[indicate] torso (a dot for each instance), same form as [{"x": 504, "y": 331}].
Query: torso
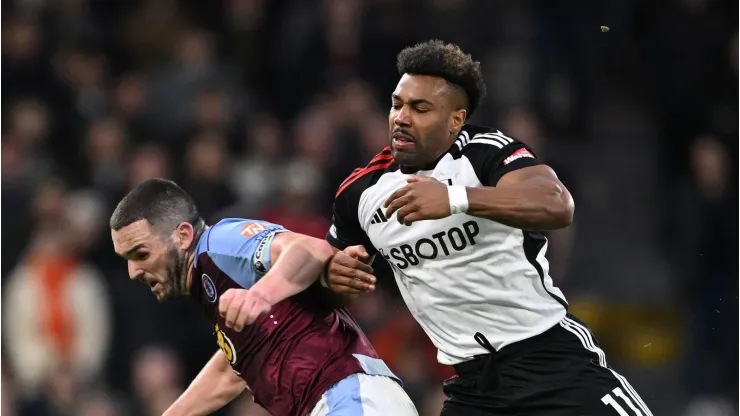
[
  {"x": 289, "y": 357},
  {"x": 461, "y": 274}
]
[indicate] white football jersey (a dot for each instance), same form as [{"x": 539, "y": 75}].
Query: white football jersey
[{"x": 461, "y": 274}]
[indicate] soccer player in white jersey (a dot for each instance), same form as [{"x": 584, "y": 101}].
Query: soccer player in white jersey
[{"x": 457, "y": 211}]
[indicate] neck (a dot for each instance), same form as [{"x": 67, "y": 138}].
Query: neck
[
  {"x": 190, "y": 262},
  {"x": 430, "y": 164},
  {"x": 189, "y": 273}
]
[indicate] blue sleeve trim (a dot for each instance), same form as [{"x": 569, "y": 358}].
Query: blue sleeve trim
[{"x": 241, "y": 248}]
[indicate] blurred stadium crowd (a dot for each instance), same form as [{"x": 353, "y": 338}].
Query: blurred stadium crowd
[{"x": 261, "y": 108}]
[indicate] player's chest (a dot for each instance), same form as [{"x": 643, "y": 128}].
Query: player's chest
[
  {"x": 411, "y": 245},
  {"x": 209, "y": 285}
]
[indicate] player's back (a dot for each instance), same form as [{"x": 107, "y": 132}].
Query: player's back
[{"x": 290, "y": 356}]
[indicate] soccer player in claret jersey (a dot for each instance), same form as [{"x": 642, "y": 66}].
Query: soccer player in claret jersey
[
  {"x": 457, "y": 210},
  {"x": 254, "y": 280}
]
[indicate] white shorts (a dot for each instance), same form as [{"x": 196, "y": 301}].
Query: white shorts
[{"x": 365, "y": 395}]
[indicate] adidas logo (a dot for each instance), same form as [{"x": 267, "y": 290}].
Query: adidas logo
[{"x": 379, "y": 217}]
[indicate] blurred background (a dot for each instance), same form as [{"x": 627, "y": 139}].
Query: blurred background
[{"x": 261, "y": 108}]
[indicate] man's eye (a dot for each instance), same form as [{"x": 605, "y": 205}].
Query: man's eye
[
  {"x": 421, "y": 110},
  {"x": 397, "y": 106}
]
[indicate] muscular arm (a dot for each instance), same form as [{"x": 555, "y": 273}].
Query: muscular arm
[
  {"x": 298, "y": 261},
  {"x": 532, "y": 198},
  {"x": 214, "y": 387}
]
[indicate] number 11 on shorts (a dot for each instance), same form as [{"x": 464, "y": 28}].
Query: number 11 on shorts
[{"x": 611, "y": 401}]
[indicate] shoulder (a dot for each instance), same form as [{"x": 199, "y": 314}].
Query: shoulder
[
  {"x": 483, "y": 144},
  {"x": 476, "y": 140},
  {"x": 492, "y": 153},
  {"x": 240, "y": 248},
  {"x": 360, "y": 179},
  {"x": 235, "y": 237},
  {"x": 228, "y": 235}
]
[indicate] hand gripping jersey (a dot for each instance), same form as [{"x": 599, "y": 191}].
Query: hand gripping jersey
[
  {"x": 292, "y": 355},
  {"x": 461, "y": 274}
]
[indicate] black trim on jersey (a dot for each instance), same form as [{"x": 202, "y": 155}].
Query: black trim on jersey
[
  {"x": 502, "y": 169},
  {"x": 378, "y": 162},
  {"x": 345, "y": 221},
  {"x": 488, "y": 158},
  {"x": 533, "y": 243}
]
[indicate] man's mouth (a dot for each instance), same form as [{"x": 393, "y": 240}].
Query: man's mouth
[
  {"x": 403, "y": 141},
  {"x": 150, "y": 283},
  {"x": 403, "y": 137}
]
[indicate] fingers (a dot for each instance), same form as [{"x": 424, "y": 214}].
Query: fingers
[
  {"x": 397, "y": 204},
  {"x": 344, "y": 284},
  {"x": 225, "y": 301},
  {"x": 419, "y": 178},
  {"x": 348, "y": 275},
  {"x": 395, "y": 195},
  {"x": 362, "y": 280},
  {"x": 235, "y": 309},
  {"x": 357, "y": 252},
  {"x": 412, "y": 218},
  {"x": 240, "y": 307},
  {"x": 251, "y": 310},
  {"x": 259, "y": 309},
  {"x": 406, "y": 214},
  {"x": 357, "y": 278},
  {"x": 348, "y": 267},
  {"x": 348, "y": 262}
]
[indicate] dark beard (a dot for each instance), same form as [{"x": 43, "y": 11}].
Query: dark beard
[{"x": 176, "y": 271}]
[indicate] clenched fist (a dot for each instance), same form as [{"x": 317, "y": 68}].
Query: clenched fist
[{"x": 241, "y": 307}]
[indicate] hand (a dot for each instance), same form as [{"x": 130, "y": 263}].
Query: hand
[
  {"x": 241, "y": 307},
  {"x": 424, "y": 198},
  {"x": 349, "y": 272}
]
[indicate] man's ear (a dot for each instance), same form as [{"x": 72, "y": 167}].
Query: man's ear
[
  {"x": 457, "y": 120},
  {"x": 184, "y": 234}
]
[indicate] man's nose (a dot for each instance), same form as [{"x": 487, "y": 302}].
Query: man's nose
[
  {"x": 402, "y": 118},
  {"x": 132, "y": 274}
]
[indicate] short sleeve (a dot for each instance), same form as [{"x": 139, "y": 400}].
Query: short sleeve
[
  {"x": 345, "y": 229},
  {"x": 493, "y": 155},
  {"x": 241, "y": 248}
]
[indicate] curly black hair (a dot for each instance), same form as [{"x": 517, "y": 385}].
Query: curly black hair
[{"x": 447, "y": 61}]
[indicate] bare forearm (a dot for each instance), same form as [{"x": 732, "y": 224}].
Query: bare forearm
[
  {"x": 214, "y": 387},
  {"x": 531, "y": 206},
  {"x": 297, "y": 268}
]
